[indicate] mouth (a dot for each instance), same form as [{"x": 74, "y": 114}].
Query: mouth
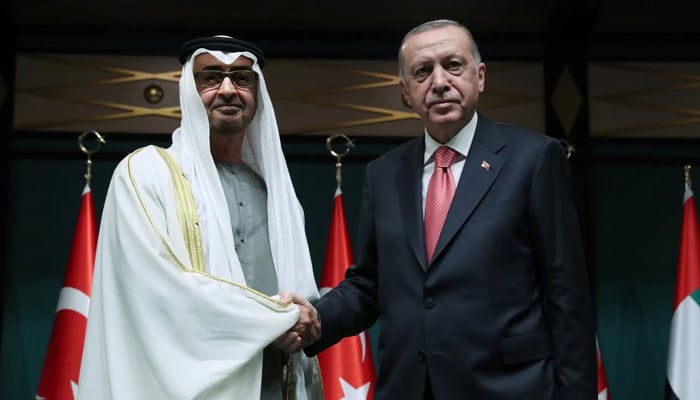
[
  {"x": 228, "y": 108},
  {"x": 441, "y": 103}
]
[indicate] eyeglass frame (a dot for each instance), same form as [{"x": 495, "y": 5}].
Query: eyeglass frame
[{"x": 226, "y": 74}]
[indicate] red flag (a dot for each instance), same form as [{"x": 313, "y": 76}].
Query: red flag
[
  {"x": 683, "y": 367},
  {"x": 347, "y": 367},
  {"x": 59, "y": 378},
  {"x": 602, "y": 382}
]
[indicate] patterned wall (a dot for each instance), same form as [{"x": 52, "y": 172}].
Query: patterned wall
[
  {"x": 311, "y": 97},
  {"x": 645, "y": 100}
]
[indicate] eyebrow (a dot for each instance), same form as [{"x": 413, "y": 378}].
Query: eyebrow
[{"x": 221, "y": 68}]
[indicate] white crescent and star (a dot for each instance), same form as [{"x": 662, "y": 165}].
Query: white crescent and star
[
  {"x": 73, "y": 299},
  {"x": 351, "y": 392}
]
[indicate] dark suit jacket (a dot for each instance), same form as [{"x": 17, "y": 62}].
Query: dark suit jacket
[{"x": 504, "y": 311}]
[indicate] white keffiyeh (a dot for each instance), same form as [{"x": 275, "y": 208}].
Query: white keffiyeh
[{"x": 262, "y": 152}]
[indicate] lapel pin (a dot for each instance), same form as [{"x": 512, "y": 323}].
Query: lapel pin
[{"x": 485, "y": 165}]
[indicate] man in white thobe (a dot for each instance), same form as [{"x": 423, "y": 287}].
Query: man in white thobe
[{"x": 195, "y": 242}]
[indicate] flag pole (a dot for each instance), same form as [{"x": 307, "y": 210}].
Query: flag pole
[
  {"x": 95, "y": 145},
  {"x": 683, "y": 352},
  {"x": 338, "y": 156},
  {"x": 61, "y": 370},
  {"x": 347, "y": 367}
]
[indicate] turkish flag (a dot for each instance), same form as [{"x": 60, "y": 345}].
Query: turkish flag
[
  {"x": 59, "y": 378},
  {"x": 347, "y": 368}
]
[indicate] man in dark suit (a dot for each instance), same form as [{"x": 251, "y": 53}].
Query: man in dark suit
[{"x": 498, "y": 305}]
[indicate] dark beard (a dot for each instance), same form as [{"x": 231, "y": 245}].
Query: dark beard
[{"x": 228, "y": 124}]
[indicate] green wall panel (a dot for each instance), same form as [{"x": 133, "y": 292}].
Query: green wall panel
[{"x": 635, "y": 198}]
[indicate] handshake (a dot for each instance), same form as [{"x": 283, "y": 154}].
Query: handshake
[{"x": 305, "y": 331}]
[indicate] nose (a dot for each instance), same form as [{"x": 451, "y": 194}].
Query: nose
[
  {"x": 441, "y": 80},
  {"x": 227, "y": 86}
]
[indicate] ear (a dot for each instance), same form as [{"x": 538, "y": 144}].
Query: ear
[
  {"x": 405, "y": 98},
  {"x": 481, "y": 71}
]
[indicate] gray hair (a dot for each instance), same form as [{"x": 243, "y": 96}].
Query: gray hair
[{"x": 435, "y": 24}]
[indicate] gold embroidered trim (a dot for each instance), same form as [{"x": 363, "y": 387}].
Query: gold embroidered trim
[
  {"x": 147, "y": 213},
  {"x": 186, "y": 211},
  {"x": 252, "y": 292}
]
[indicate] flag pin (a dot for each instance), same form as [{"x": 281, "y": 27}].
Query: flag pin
[{"x": 485, "y": 165}]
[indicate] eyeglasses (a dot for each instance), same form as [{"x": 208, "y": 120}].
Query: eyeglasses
[{"x": 241, "y": 78}]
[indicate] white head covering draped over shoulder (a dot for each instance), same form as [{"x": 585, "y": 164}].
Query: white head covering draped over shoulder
[{"x": 159, "y": 329}]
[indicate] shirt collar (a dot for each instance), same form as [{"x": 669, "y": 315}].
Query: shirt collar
[{"x": 461, "y": 142}]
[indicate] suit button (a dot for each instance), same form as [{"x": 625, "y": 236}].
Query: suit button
[
  {"x": 421, "y": 356},
  {"x": 429, "y": 303}
]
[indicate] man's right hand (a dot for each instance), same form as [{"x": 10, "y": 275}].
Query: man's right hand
[{"x": 306, "y": 330}]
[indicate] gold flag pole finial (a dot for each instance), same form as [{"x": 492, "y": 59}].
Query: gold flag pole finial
[
  {"x": 95, "y": 145},
  {"x": 686, "y": 176},
  {"x": 338, "y": 156}
]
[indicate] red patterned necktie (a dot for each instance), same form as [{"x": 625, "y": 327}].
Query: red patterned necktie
[{"x": 441, "y": 189}]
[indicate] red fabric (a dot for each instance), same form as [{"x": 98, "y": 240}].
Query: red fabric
[
  {"x": 602, "y": 382},
  {"x": 441, "y": 190},
  {"x": 59, "y": 377},
  {"x": 688, "y": 279},
  {"x": 347, "y": 368}
]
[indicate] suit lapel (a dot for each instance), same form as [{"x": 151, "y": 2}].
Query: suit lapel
[
  {"x": 409, "y": 176},
  {"x": 481, "y": 168}
]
